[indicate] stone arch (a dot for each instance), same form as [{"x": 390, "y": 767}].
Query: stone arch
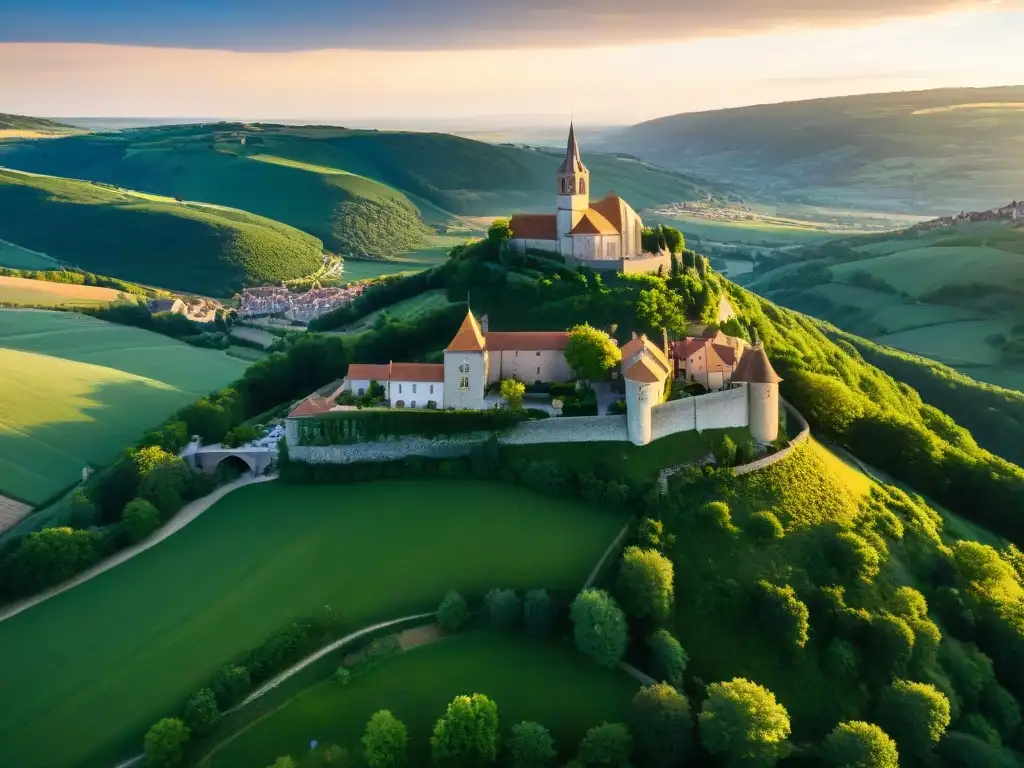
[{"x": 238, "y": 461}]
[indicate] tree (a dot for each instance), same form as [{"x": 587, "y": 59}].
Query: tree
[
  {"x": 591, "y": 353},
  {"x": 385, "y": 741},
  {"x": 853, "y": 558},
  {"x": 725, "y": 452},
  {"x": 285, "y": 761},
  {"x": 513, "y": 393},
  {"x": 500, "y": 232},
  {"x": 674, "y": 239},
  {"x": 916, "y": 714},
  {"x": 669, "y": 657},
  {"x": 202, "y": 713},
  {"x": 83, "y": 511},
  {"x": 165, "y": 742},
  {"x": 608, "y": 744},
  {"x": 51, "y": 556},
  {"x": 467, "y": 734},
  {"x": 231, "y": 684},
  {"x": 765, "y": 526},
  {"x": 660, "y": 308},
  {"x": 453, "y": 612},
  {"x": 645, "y": 583},
  {"x": 140, "y": 518},
  {"x": 650, "y": 533},
  {"x": 599, "y": 626},
  {"x": 539, "y": 613},
  {"x": 857, "y": 744},
  {"x": 783, "y": 612},
  {"x": 163, "y": 478},
  {"x": 504, "y": 609},
  {"x": 661, "y": 725},
  {"x": 741, "y": 723},
  {"x": 530, "y": 745}
]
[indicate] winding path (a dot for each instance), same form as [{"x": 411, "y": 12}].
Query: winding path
[{"x": 188, "y": 513}]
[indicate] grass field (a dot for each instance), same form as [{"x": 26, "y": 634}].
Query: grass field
[
  {"x": 408, "y": 310},
  {"x": 955, "y": 344},
  {"x": 18, "y": 290},
  {"x": 16, "y": 257},
  {"x": 639, "y": 463},
  {"x": 547, "y": 682},
  {"x": 151, "y": 631},
  {"x": 77, "y": 391},
  {"x": 436, "y": 252}
]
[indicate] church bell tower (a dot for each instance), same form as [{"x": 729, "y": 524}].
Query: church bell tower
[{"x": 573, "y": 192}]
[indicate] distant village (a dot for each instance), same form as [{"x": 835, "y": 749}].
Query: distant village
[
  {"x": 1012, "y": 212},
  {"x": 298, "y": 307}
]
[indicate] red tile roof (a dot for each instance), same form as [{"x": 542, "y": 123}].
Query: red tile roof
[
  {"x": 645, "y": 370},
  {"x": 468, "y": 338},
  {"x": 417, "y": 372},
  {"x": 611, "y": 208},
  {"x": 367, "y": 372},
  {"x": 311, "y": 406},
  {"x": 755, "y": 368},
  {"x": 593, "y": 223},
  {"x": 534, "y": 226},
  {"x": 526, "y": 340}
]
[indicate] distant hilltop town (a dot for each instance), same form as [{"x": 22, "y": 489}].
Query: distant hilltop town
[
  {"x": 1012, "y": 212},
  {"x": 300, "y": 307}
]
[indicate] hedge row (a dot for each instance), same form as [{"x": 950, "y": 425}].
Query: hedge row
[{"x": 347, "y": 427}]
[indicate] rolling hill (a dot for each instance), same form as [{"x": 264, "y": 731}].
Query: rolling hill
[
  {"x": 364, "y": 193},
  {"x": 926, "y": 152},
  {"x": 149, "y": 239},
  {"x": 21, "y": 127},
  {"x": 953, "y": 294}
]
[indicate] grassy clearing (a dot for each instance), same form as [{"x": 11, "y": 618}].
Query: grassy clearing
[
  {"x": 955, "y": 344},
  {"x": 76, "y": 391},
  {"x": 155, "y": 633},
  {"x": 639, "y": 463},
  {"x": 18, "y": 290},
  {"x": 408, "y": 310},
  {"x": 436, "y": 252},
  {"x": 245, "y": 353},
  {"x": 16, "y": 257},
  {"x": 546, "y": 682}
]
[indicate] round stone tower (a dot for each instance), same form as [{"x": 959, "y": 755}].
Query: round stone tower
[
  {"x": 755, "y": 370},
  {"x": 645, "y": 369}
]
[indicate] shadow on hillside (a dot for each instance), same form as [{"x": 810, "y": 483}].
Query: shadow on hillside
[{"x": 40, "y": 462}]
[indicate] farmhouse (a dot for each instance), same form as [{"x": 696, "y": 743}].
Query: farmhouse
[
  {"x": 605, "y": 234},
  {"x": 711, "y": 361}
]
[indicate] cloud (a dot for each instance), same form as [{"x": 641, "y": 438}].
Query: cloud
[{"x": 438, "y": 24}]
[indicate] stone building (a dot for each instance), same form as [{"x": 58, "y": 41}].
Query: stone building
[
  {"x": 645, "y": 369},
  {"x": 755, "y": 370}
]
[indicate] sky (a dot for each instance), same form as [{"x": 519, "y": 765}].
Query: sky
[{"x": 514, "y": 61}]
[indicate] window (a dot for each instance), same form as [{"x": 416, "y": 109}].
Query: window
[
  {"x": 464, "y": 382},
  {"x": 464, "y": 367},
  {"x": 413, "y": 404},
  {"x": 583, "y": 186},
  {"x": 414, "y": 389},
  {"x": 431, "y": 389},
  {"x": 399, "y": 389},
  {"x": 362, "y": 391},
  {"x": 538, "y": 371},
  {"x": 538, "y": 354}
]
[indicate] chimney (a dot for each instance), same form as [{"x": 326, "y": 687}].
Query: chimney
[
  {"x": 634, "y": 334},
  {"x": 484, "y": 323}
]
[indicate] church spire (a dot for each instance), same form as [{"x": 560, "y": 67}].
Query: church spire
[{"x": 573, "y": 176}]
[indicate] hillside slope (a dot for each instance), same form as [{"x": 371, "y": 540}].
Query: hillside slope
[
  {"x": 955, "y": 294},
  {"x": 22, "y": 127},
  {"x": 361, "y": 192},
  {"x": 928, "y": 151},
  {"x": 148, "y": 239}
]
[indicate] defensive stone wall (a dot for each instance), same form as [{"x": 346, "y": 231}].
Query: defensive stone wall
[
  {"x": 802, "y": 436},
  {"x": 715, "y": 410},
  {"x": 388, "y": 450},
  {"x": 579, "y": 429}
]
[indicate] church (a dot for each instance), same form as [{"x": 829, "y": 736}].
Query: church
[{"x": 605, "y": 234}]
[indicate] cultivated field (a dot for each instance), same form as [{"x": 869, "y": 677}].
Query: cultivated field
[
  {"x": 77, "y": 391},
  {"x": 545, "y": 682},
  {"x": 151, "y": 631},
  {"x": 18, "y": 290}
]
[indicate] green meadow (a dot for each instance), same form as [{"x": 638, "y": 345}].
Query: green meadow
[
  {"x": 545, "y": 682},
  {"x": 77, "y": 391},
  {"x": 16, "y": 257},
  {"x": 159, "y": 626}
]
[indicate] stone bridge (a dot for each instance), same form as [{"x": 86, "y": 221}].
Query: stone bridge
[{"x": 206, "y": 458}]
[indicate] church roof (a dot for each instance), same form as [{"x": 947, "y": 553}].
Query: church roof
[
  {"x": 468, "y": 338},
  {"x": 573, "y": 163},
  {"x": 417, "y": 372},
  {"x": 645, "y": 371},
  {"x": 641, "y": 345},
  {"x": 369, "y": 372},
  {"x": 534, "y": 226},
  {"x": 610, "y": 207},
  {"x": 593, "y": 223},
  {"x": 755, "y": 368},
  {"x": 527, "y": 341}
]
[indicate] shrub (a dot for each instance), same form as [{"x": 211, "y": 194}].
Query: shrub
[
  {"x": 467, "y": 733},
  {"x": 649, "y": 533},
  {"x": 783, "y": 613},
  {"x": 741, "y": 722},
  {"x": 916, "y": 714},
  {"x": 668, "y": 656},
  {"x": 725, "y": 452},
  {"x": 504, "y": 609},
  {"x": 385, "y": 741},
  {"x": 661, "y": 725},
  {"x": 645, "y": 583},
  {"x": 853, "y": 558},
  {"x": 608, "y": 744},
  {"x": 530, "y": 745},
  {"x": 715, "y": 515},
  {"x": 337, "y": 757},
  {"x": 231, "y": 685},
  {"x": 539, "y": 613},
  {"x": 860, "y": 745},
  {"x": 453, "y": 612},
  {"x": 285, "y": 761},
  {"x": 140, "y": 518},
  {"x": 341, "y": 676},
  {"x": 599, "y": 627},
  {"x": 513, "y": 392},
  {"x": 165, "y": 742},
  {"x": 764, "y": 526},
  {"x": 82, "y": 512},
  {"x": 202, "y": 713}
]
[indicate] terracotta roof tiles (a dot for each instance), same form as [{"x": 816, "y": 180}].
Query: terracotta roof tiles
[
  {"x": 468, "y": 338},
  {"x": 527, "y": 340},
  {"x": 593, "y": 223},
  {"x": 756, "y": 368},
  {"x": 534, "y": 226}
]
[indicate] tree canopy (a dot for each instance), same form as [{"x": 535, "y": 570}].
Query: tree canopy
[
  {"x": 591, "y": 353},
  {"x": 599, "y": 627},
  {"x": 661, "y": 725},
  {"x": 466, "y": 735},
  {"x": 645, "y": 583},
  {"x": 385, "y": 740},
  {"x": 857, "y": 744},
  {"x": 742, "y": 723}
]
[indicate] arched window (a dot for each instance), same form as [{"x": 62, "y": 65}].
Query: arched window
[
  {"x": 464, "y": 367},
  {"x": 583, "y": 186}
]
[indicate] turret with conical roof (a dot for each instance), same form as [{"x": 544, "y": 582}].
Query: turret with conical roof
[
  {"x": 466, "y": 367},
  {"x": 755, "y": 370}
]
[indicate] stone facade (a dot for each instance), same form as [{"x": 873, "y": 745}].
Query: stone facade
[
  {"x": 582, "y": 429},
  {"x": 716, "y": 410}
]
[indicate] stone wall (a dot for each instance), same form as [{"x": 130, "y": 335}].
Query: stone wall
[
  {"x": 579, "y": 429},
  {"x": 802, "y": 436},
  {"x": 715, "y": 410},
  {"x": 388, "y": 450}
]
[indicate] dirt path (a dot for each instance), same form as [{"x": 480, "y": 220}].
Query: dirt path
[
  {"x": 607, "y": 553},
  {"x": 188, "y": 513}
]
